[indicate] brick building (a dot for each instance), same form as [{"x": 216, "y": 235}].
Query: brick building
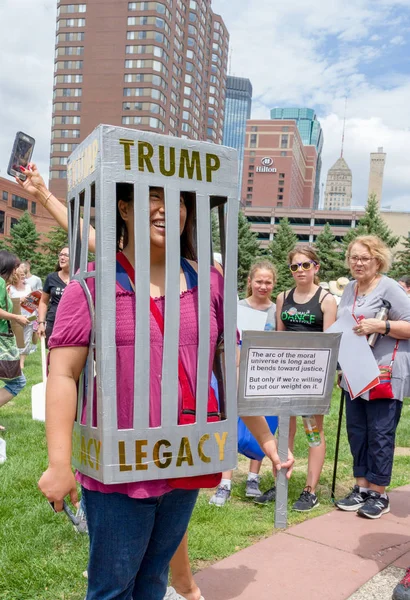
[
  {"x": 307, "y": 223},
  {"x": 278, "y": 170},
  {"x": 158, "y": 66},
  {"x": 13, "y": 202}
]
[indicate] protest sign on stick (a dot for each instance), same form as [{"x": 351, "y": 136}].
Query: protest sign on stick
[{"x": 286, "y": 374}]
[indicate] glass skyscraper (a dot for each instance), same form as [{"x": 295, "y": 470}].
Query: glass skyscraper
[
  {"x": 311, "y": 133},
  {"x": 238, "y": 102}
]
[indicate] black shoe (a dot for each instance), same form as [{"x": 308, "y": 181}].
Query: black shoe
[
  {"x": 268, "y": 496},
  {"x": 402, "y": 589},
  {"x": 307, "y": 501},
  {"x": 375, "y": 506},
  {"x": 353, "y": 501}
]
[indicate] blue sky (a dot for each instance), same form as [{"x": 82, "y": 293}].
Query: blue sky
[
  {"x": 299, "y": 53},
  {"x": 314, "y": 54}
]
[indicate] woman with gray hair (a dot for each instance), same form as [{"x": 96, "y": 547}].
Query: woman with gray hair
[{"x": 372, "y": 419}]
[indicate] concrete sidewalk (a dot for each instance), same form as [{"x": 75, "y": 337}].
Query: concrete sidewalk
[{"x": 331, "y": 557}]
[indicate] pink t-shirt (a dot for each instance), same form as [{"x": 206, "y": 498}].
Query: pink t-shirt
[{"x": 73, "y": 328}]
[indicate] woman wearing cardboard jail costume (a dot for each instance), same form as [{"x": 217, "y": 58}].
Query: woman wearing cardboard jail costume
[
  {"x": 139, "y": 513},
  {"x": 184, "y": 586},
  {"x": 182, "y": 580}
]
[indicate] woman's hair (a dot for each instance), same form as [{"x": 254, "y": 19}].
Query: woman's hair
[
  {"x": 308, "y": 251},
  {"x": 8, "y": 262},
  {"x": 376, "y": 248},
  {"x": 58, "y": 268},
  {"x": 125, "y": 192},
  {"x": 262, "y": 264},
  {"x": 15, "y": 277}
]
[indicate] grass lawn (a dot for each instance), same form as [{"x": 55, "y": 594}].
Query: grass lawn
[{"x": 41, "y": 556}]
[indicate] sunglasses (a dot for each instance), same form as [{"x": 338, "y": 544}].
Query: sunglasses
[{"x": 305, "y": 266}]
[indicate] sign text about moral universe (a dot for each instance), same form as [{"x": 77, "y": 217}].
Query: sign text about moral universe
[{"x": 286, "y": 372}]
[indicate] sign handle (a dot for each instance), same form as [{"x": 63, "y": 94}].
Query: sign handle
[
  {"x": 43, "y": 358},
  {"x": 339, "y": 429},
  {"x": 281, "y": 504}
]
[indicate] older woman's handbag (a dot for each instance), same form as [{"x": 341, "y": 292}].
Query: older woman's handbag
[
  {"x": 384, "y": 390},
  {"x": 9, "y": 354}
]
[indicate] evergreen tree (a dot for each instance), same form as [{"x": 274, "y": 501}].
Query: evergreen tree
[
  {"x": 375, "y": 225},
  {"x": 216, "y": 244},
  {"x": 330, "y": 256},
  {"x": 401, "y": 264},
  {"x": 23, "y": 239},
  {"x": 283, "y": 242},
  {"x": 372, "y": 224},
  {"x": 248, "y": 251}
]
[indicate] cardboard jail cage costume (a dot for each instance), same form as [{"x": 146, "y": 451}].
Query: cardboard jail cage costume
[{"x": 112, "y": 155}]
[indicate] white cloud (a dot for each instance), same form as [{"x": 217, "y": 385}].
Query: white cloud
[
  {"x": 301, "y": 53},
  {"x": 314, "y": 54},
  {"x": 398, "y": 40},
  {"x": 27, "y": 32}
]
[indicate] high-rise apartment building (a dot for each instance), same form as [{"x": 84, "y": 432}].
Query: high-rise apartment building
[
  {"x": 159, "y": 66},
  {"x": 311, "y": 133},
  {"x": 377, "y": 162},
  {"x": 278, "y": 169},
  {"x": 338, "y": 192},
  {"x": 238, "y": 104}
]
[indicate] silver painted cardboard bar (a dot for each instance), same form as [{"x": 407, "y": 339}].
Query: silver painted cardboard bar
[{"x": 115, "y": 154}]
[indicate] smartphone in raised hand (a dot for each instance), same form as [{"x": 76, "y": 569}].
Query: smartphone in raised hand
[{"x": 21, "y": 154}]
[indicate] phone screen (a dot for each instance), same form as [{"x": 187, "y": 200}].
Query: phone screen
[{"x": 22, "y": 153}]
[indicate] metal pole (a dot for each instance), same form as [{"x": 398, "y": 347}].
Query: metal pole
[
  {"x": 339, "y": 428},
  {"x": 281, "y": 504}
]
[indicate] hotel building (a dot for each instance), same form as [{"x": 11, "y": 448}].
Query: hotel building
[{"x": 278, "y": 170}]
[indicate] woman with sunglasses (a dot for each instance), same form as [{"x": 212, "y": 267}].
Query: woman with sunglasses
[
  {"x": 306, "y": 307},
  {"x": 53, "y": 289}
]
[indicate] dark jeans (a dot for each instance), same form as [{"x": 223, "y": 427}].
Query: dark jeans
[
  {"x": 49, "y": 330},
  {"x": 371, "y": 429},
  {"x": 132, "y": 542}
]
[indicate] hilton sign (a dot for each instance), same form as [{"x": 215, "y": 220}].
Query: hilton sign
[{"x": 266, "y": 167}]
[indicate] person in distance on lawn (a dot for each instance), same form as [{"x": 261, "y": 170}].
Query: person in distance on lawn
[{"x": 8, "y": 266}]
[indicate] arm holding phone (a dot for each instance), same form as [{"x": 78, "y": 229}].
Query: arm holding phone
[{"x": 34, "y": 184}]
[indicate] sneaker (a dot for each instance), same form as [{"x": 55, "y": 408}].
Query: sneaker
[
  {"x": 402, "y": 589},
  {"x": 375, "y": 506},
  {"x": 267, "y": 497},
  {"x": 172, "y": 594},
  {"x": 221, "y": 496},
  {"x": 307, "y": 501},
  {"x": 353, "y": 501},
  {"x": 252, "y": 488}
]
